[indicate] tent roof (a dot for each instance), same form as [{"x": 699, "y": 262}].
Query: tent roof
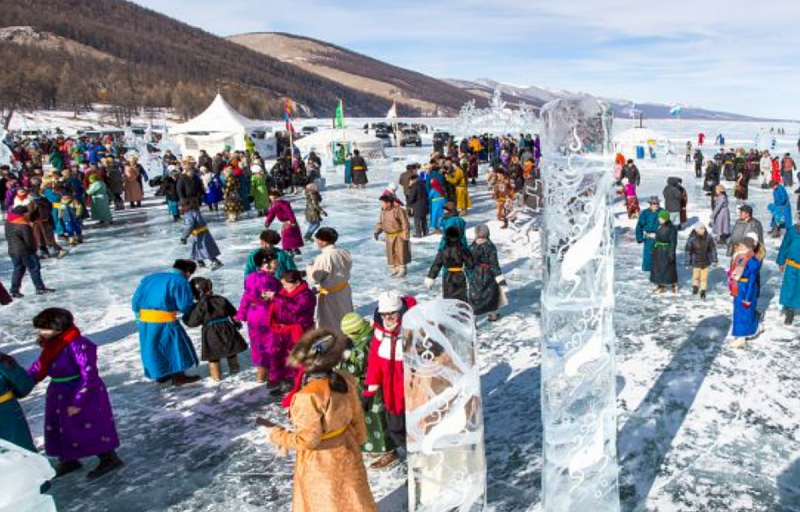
[
  {"x": 323, "y": 139},
  {"x": 218, "y": 117},
  {"x": 638, "y": 136}
]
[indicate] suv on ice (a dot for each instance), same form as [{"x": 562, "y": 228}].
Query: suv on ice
[{"x": 410, "y": 138}]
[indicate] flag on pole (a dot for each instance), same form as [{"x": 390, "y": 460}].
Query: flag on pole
[
  {"x": 287, "y": 116},
  {"x": 392, "y": 114},
  {"x": 675, "y": 111},
  {"x": 338, "y": 120}
]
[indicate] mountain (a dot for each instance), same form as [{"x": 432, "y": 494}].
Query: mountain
[
  {"x": 73, "y": 53},
  {"x": 538, "y": 96},
  {"x": 429, "y": 95}
]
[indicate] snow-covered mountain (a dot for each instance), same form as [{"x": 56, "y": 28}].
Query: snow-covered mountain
[{"x": 535, "y": 95}]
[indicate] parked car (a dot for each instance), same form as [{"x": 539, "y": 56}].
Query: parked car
[
  {"x": 308, "y": 130},
  {"x": 410, "y": 138},
  {"x": 384, "y": 134},
  {"x": 440, "y": 140}
]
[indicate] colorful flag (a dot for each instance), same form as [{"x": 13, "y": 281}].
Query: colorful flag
[
  {"x": 392, "y": 114},
  {"x": 338, "y": 120},
  {"x": 287, "y": 116}
]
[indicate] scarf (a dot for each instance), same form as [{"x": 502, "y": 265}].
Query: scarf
[
  {"x": 740, "y": 260},
  {"x": 52, "y": 348}
]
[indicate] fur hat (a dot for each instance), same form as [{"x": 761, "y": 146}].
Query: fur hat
[
  {"x": 201, "y": 287},
  {"x": 452, "y": 236},
  {"x": 327, "y": 235},
  {"x": 318, "y": 350},
  {"x": 185, "y": 266},
  {"x": 55, "y": 319},
  {"x": 389, "y": 302},
  {"x": 353, "y": 323}
]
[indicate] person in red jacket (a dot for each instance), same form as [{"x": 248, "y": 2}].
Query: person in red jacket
[
  {"x": 776, "y": 171},
  {"x": 385, "y": 363}
]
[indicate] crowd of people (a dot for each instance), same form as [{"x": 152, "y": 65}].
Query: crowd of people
[{"x": 339, "y": 375}]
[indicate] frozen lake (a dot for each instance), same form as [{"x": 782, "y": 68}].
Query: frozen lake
[{"x": 703, "y": 427}]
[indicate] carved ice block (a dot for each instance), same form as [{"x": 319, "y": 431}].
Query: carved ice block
[{"x": 444, "y": 415}]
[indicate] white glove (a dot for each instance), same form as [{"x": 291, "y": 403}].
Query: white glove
[
  {"x": 500, "y": 280},
  {"x": 429, "y": 283}
]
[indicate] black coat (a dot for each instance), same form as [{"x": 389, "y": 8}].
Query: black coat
[
  {"x": 484, "y": 292},
  {"x": 631, "y": 172},
  {"x": 453, "y": 256},
  {"x": 701, "y": 252},
  {"x": 664, "y": 270},
  {"x": 220, "y": 335},
  {"x": 187, "y": 188},
  {"x": 417, "y": 199},
  {"x": 20, "y": 239},
  {"x": 672, "y": 196}
]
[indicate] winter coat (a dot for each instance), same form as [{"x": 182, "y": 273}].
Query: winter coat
[
  {"x": 220, "y": 336},
  {"x": 291, "y": 237},
  {"x": 672, "y": 196},
  {"x": 789, "y": 255},
  {"x": 417, "y": 199},
  {"x": 203, "y": 245},
  {"x": 14, "y": 427},
  {"x": 231, "y": 194},
  {"x": 721, "y": 216},
  {"x": 665, "y": 271},
  {"x": 259, "y": 191},
  {"x": 745, "y": 317},
  {"x": 327, "y": 431},
  {"x": 631, "y": 172},
  {"x": 133, "y": 189},
  {"x": 19, "y": 236},
  {"x": 254, "y": 309},
  {"x": 213, "y": 186},
  {"x": 646, "y": 228},
  {"x": 285, "y": 262},
  {"x": 187, "y": 188},
  {"x": 101, "y": 211},
  {"x": 394, "y": 224},
  {"x": 701, "y": 251},
  {"x": 314, "y": 211},
  {"x": 330, "y": 271},
  {"x": 780, "y": 208},
  {"x": 457, "y": 262},
  {"x": 740, "y": 231},
  {"x": 458, "y": 180},
  {"x": 359, "y": 170},
  {"x": 484, "y": 292}
]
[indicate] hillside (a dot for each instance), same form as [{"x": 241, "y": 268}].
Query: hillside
[
  {"x": 539, "y": 96},
  {"x": 372, "y": 76},
  {"x": 157, "y": 61}
]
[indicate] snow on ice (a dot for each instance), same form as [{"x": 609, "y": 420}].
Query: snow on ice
[{"x": 702, "y": 426}]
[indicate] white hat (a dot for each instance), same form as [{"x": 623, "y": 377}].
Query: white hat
[
  {"x": 391, "y": 186},
  {"x": 389, "y": 302},
  {"x": 753, "y": 236}
]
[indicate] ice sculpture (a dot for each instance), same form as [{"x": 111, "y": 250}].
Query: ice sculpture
[
  {"x": 497, "y": 119},
  {"x": 444, "y": 413},
  {"x": 578, "y": 380},
  {"x": 23, "y": 473}
]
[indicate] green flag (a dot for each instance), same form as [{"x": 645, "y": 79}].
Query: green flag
[{"x": 338, "y": 121}]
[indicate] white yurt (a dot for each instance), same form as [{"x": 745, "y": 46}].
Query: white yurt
[
  {"x": 219, "y": 127},
  {"x": 325, "y": 144},
  {"x": 643, "y": 144}
]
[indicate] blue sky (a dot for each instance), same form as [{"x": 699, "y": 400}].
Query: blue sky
[{"x": 741, "y": 57}]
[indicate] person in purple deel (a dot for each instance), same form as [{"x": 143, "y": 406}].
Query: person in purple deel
[{"x": 78, "y": 419}]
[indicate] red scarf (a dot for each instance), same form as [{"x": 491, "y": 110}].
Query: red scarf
[
  {"x": 52, "y": 348},
  {"x": 435, "y": 185},
  {"x": 298, "y": 385}
]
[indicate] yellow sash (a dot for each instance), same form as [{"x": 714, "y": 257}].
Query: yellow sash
[
  {"x": 792, "y": 263},
  {"x": 154, "y": 316},
  {"x": 199, "y": 230},
  {"x": 5, "y": 397},
  {"x": 334, "y": 433},
  {"x": 333, "y": 289},
  {"x": 455, "y": 269}
]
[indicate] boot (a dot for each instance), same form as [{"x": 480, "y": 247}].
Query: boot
[
  {"x": 261, "y": 375},
  {"x": 61, "y": 253},
  {"x": 674, "y": 288},
  {"x": 789, "y": 317},
  {"x": 44, "y": 291},
  {"x": 65, "y": 467},
  {"x": 73, "y": 241},
  {"x": 216, "y": 264},
  {"x": 695, "y": 290},
  {"x": 179, "y": 379},
  {"x": 215, "y": 371},
  {"x": 176, "y": 218},
  {"x": 233, "y": 365},
  {"x": 109, "y": 461},
  {"x": 703, "y": 294}
]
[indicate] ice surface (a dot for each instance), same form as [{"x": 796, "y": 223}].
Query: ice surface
[
  {"x": 444, "y": 414},
  {"x": 23, "y": 474},
  {"x": 702, "y": 427}
]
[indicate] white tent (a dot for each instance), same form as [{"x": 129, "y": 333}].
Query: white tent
[
  {"x": 326, "y": 142},
  {"x": 218, "y": 128},
  {"x": 642, "y": 143}
]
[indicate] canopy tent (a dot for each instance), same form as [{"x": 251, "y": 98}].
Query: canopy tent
[
  {"x": 327, "y": 143},
  {"x": 642, "y": 143},
  {"x": 219, "y": 127}
]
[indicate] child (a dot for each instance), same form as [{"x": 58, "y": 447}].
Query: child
[
  {"x": 170, "y": 189},
  {"x": 213, "y": 187},
  {"x": 457, "y": 261},
  {"x": 291, "y": 315},
  {"x": 233, "y": 201},
  {"x": 79, "y": 421},
  {"x": 270, "y": 239},
  {"x": 314, "y": 212},
  {"x": 360, "y": 332},
  {"x": 15, "y": 383},
  {"x": 71, "y": 214},
  {"x": 203, "y": 246},
  {"x": 701, "y": 253},
  {"x": 631, "y": 201},
  {"x": 743, "y": 283},
  {"x": 290, "y": 232},
  {"x": 254, "y": 309},
  {"x": 220, "y": 335}
]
